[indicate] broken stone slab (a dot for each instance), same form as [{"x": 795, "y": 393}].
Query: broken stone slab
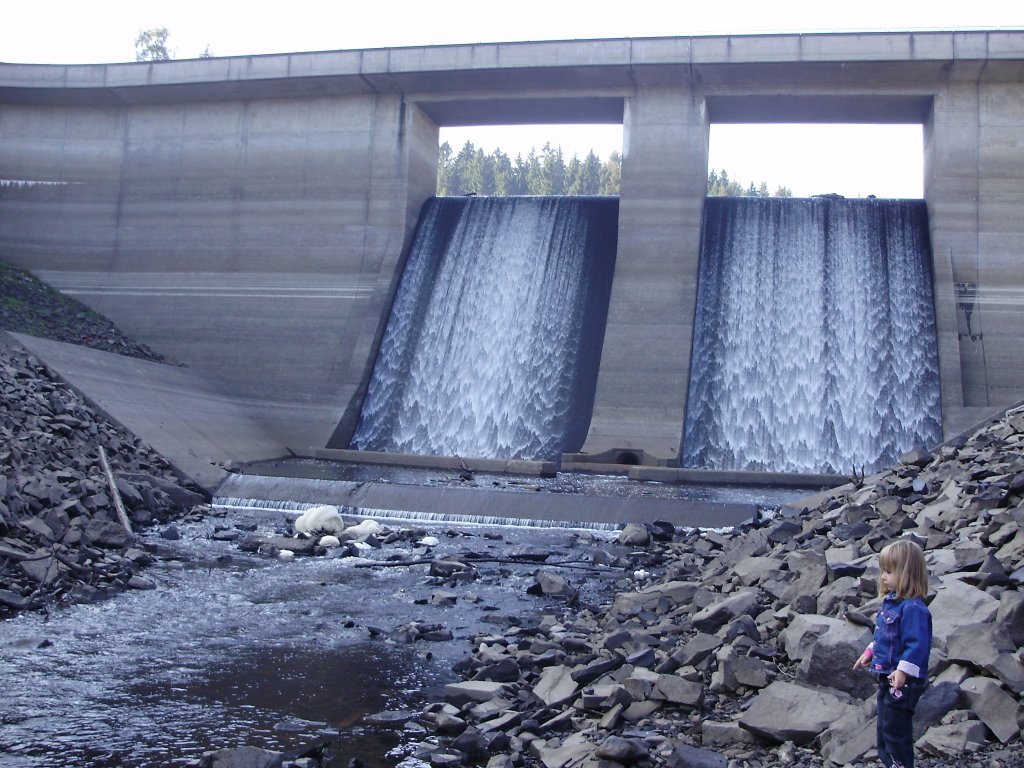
[
  {"x": 851, "y": 736},
  {"x": 987, "y": 647},
  {"x": 811, "y": 568},
  {"x": 697, "y": 648},
  {"x": 568, "y": 753},
  {"x": 686, "y": 756},
  {"x": 803, "y": 632},
  {"x": 677, "y": 690},
  {"x": 551, "y": 585},
  {"x": 957, "y": 604},
  {"x": 718, "y": 614},
  {"x": 997, "y": 709},
  {"x": 633, "y": 535},
  {"x": 42, "y": 568},
  {"x": 671, "y": 594},
  {"x": 752, "y": 570},
  {"x": 554, "y": 684},
  {"x": 827, "y": 659},
  {"x": 726, "y": 734},
  {"x": 108, "y": 534},
  {"x": 735, "y": 672},
  {"x": 1010, "y": 615},
  {"x": 789, "y": 712},
  {"x": 952, "y": 739},
  {"x": 473, "y": 691},
  {"x": 588, "y": 673}
]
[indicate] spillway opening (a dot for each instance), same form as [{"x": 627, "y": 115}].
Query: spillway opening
[
  {"x": 506, "y": 160},
  {"x": 851, "y": 160}
]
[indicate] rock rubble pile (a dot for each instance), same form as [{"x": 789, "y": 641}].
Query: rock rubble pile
[
  {"x": 61, "y": 537},
  {"x": 742, "y": 652}
]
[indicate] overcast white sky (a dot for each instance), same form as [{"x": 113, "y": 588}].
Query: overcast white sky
[{"x": 886, "y": 162}]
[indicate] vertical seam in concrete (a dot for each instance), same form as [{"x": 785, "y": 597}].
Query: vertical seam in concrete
[
  {"x": 977, "y": 217},
  {"x": 116, "y": 250}
]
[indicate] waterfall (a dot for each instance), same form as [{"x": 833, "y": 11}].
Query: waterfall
[
  {"x": 493, "y": 342},
  {"x": 814, "y": 336}
]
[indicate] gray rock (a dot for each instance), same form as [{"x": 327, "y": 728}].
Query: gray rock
[
  {"x": 242, "y": 757},
  {"x": 622, "y": 751},
  {"x": 851, "y": 736},
  {"x": 828, "y": 660},
  {"x": 552, "y": 585},
  {"x": 633, "y": 535},
  {"x": 789, "y": 712},
  {"x": 108, "y": 534},
  {"x": 685, "y": 756},
  {"x": 716, "y": 615},
  {"x": 938, "y": 699},
  {"x": 952, "y": 739},
  {"x": 993, "y": 706}
]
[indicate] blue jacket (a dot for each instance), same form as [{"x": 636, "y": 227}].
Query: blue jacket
[{"x": 903, "y": 637}]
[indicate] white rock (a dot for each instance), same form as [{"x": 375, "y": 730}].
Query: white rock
[
  {"x": 429, "y": 541},
  {"x": 329, "y": 541},
  {"x": 361, "y": 531},
  {"x": 323, "y": 518},
  {"x": 286, "y": 554}
]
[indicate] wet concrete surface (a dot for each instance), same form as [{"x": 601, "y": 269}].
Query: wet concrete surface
[{"x": 234, "y": 649}]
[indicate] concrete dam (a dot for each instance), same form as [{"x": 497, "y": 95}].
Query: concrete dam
[{"x": 251, "y": 217}]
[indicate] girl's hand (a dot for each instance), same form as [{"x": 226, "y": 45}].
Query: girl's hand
[
  {"x": 897, "y": 679},
  {"x": 863, "y": 661}
]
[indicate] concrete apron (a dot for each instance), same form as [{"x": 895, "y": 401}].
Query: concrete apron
[
  {"x": 482, "y": 505},
  {"x": 178, "y": 412}
]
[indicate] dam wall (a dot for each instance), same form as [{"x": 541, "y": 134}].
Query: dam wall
[{"x": 249, "y": 216}]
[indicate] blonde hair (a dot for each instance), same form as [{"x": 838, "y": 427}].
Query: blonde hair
[{"x": 905, "y": 561}]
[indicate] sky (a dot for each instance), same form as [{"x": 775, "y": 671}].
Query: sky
[{"x": 809, "y": 160}]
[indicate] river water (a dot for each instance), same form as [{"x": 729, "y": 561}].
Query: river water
[{"x": 236, "y": 649}]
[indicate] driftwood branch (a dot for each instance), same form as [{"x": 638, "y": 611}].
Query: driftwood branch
[
  {"x": 115, "y": 495},
  {"x": 472, "y": 560}
]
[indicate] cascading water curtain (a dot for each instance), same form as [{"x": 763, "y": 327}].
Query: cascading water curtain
[
  {"x": 494, "y": 339},
  {"x": 814, "y": 337}
]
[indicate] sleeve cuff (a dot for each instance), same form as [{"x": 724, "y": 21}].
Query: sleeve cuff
[{"x": 911, "y": 669}]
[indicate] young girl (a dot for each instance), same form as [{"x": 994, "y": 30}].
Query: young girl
[{"x": 898, "y": 655}]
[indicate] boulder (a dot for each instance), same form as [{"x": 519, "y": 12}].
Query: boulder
[
  {"x": 804, "y": 630},
  {"x": 938, "y": 699},
  {"x": 953, "y": 739},
  {"x": 994, "y": 707},
  {"x": 957, "y": 604},
  {"x": 829, "y": 660},
  {"x": 666, "y": 596},
  {"x": 790, "y": 712},
  {"x": 633, "y": 535}
]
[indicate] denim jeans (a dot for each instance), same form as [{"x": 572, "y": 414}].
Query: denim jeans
[{"x": 896, "y": 721}]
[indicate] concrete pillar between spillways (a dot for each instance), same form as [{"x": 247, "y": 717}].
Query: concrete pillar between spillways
[
  {"x": 640, "y": 400},
  {"x": 972, "y": 185}
]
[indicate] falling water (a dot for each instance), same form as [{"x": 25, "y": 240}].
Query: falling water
[
  {"x": 814, "y": 336},
  {"x": 495, "y": 335}
]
